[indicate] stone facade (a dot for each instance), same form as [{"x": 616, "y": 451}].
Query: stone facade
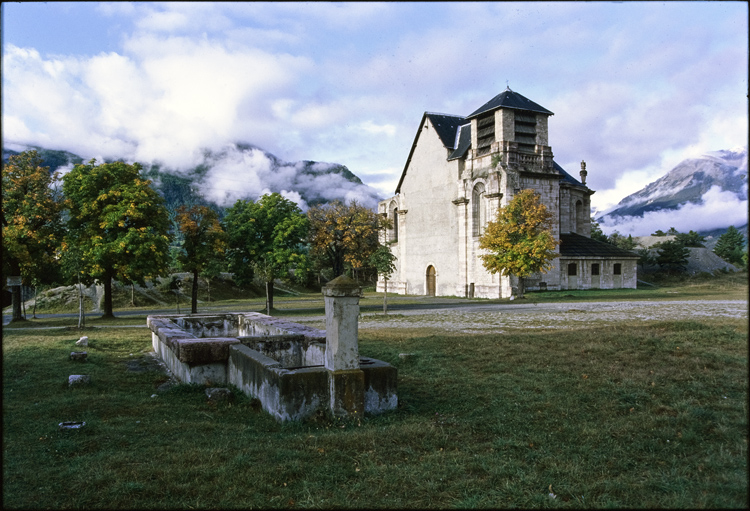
[{"x": 459, "y": 172}]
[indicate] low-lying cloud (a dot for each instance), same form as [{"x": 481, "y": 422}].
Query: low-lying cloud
[{"x": 717, "y": 209}]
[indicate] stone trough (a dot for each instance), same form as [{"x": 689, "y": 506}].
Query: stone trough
[{"x": 294, "y": 370}]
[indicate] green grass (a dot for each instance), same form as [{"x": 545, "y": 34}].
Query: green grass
[{"x": 645, "y": 415}]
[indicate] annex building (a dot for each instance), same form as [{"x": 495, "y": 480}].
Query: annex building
[{"x": 459, "y": 171}]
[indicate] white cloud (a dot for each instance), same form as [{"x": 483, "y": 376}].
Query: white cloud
[{"x": 717, "y": 209}]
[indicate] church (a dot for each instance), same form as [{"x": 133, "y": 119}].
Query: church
[{"x": 459, "y": 172}]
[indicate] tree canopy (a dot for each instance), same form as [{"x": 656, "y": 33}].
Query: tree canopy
[
  {"x": 691, "y": 239},
  {"x": 672, "y": 256},
  {"x": 729, "y": 245},
  {"x": 266, "y": 238},
  {"x": 520, "y": 242},
  {"x": 118, "y": 222},
  {"x": 32, "y": 223},
  {"x": 344, "y": 235},
  {"x": 203, "y": 241}
]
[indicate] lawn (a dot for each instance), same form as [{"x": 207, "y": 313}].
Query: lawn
[{"x": 649, "y": 414}]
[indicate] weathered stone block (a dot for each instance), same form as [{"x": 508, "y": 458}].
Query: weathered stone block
[
  {"x": 75, "y": 380},
  {"x": 218, "y": 395},
  {"x": 83, "y": 341},
  {"x": 347, "y": 392},
  {"x": 204, "y": 351},
  {"x": 79, "y": 355}
]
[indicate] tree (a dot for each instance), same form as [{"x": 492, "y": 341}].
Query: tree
[
  {"x": 32, "y": 223},
  {"x": 620, "y": 241},
  {"x": 344, "y": 234},
  {"x": 520, "y": 241},
  {"x": 672, "y": 232},
  {"x": 266, "y": 238},
  {"x": 645, "y": 258},
  {"x": 118, "y": 222},
  {"x": 596, "y": 232},
  {"x": 659, "y": 233},
  {"x": 729, "y": 246},
  {"x": 672, "y": 256},
  {"x": 382, "y": 260},
  {"x": 691, "y": 239},
  {"x": 204, "y": 241}
]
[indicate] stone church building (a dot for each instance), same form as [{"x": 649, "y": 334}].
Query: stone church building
[{"x": 459, "y": 171}]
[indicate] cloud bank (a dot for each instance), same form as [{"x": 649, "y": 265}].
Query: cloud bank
[{"x": 634, "y": 86}]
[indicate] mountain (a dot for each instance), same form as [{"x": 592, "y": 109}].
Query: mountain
[
  {"x": 709, "y": 192},
  {"x": 238, "y": 171}
]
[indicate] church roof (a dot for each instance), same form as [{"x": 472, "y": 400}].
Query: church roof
[
  {"x": 445, "y": 126},
  {"x": 575, "y": 245},
  {"x": 509, "y": 99},
  {"x": 567, "y": 177},
  {"x": 463, "y": 142}
]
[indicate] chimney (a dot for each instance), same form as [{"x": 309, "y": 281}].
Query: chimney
[{"x": 583, "y": 172}]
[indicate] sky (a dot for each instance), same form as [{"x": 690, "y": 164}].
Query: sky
[{"x": 635, "y": 87}]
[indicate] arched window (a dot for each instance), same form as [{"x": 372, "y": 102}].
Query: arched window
[
  {"x": 394, "y": 218},
  {"x": 478, "y": 210}
]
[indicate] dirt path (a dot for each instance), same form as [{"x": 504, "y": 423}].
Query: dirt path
[{"x": 496, "y": 317}]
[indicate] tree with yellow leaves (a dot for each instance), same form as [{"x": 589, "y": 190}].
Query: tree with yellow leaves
[
  {"x": 32, "y": 225},
  {"x": 520, "y": 241},
  {"x": 118, "y": 225},
  {"x": 203, "y": 241},
  {"x": 342, "y": 234}
]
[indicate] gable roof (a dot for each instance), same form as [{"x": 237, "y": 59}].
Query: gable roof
[
  {"x": 509, "y": 99},
  {"x": 445, "y": 125},
  {"x": 575, "y": 245},
  {"x": 463, "y": 142}
]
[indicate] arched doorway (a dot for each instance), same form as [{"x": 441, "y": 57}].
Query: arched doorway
[{"x": 430, "y": 280}]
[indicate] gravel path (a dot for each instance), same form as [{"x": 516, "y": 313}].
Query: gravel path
[{"x": 497, "y": 317}]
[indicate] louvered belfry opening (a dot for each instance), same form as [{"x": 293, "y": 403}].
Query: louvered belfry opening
[
  {"x": 525, "y": 128},
  {"x": 485, "y": 133}
]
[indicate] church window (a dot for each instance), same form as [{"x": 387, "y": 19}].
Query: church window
[
  {"x": 394, "y": 219},
  {"x": 578, "y": 226},
  {"x": 618, "y": 269},
  {"x": 485, "y": 133},
  {"x": 595, "y": 269},
  {"x": 478, "y": 210},
  {"x": 572, "y": 269},
  {"x": 525, "y": 131}
]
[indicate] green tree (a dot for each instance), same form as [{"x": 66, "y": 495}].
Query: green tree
[
  {"x": 729, "y": 246},
  {"x": 691, "y": 239},
  {"x": 672, "y": 232},
  {"x": 118, "y": 222},
  {"x": 266, "y": 239},
  {"x": 659, "y": 233},
  {"x": 620, "y": 241},
  {"x": 520, "y": 241},
  {"x": 596, "y": 232},
  {"x": 672, "y": 256},
  {"x": 32, "y": 223},
  {"x": 344, "y": 235},
  {"x": 645, "y": 258},
  {"x": 204, "y": 241},
  {"x": 382, "y": 260}
]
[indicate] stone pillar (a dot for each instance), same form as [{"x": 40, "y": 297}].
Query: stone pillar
[{"x": 346, "y": 380}]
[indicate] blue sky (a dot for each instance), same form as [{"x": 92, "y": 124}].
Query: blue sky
[{"x": 636, "y": 87}]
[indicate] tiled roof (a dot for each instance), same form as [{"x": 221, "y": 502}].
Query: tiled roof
[
  {"x": 565, "y": 176},
  {"x": 574, "y": 245},
  {"x": 510, "y": 99},
  {"x": 446, "y": 126},
  {"x": 463, "y": 142}
]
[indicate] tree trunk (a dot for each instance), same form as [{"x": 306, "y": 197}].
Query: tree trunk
[
  {"x": 16, "y": 295},
  {"x": 81, "y": 313},
  {"x": 132, "y": 294},
  {"x": 269, "y": 296},
  {"x": 194, "y": 294},
  {"x": 385, "y": 296},
  {"x": 108, "y": 310},
  {"x": 520, "y": 287},
  {"x": 33, "y": 312}
]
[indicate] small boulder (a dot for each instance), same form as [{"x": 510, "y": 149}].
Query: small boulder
[
  {"x": 407, "y": 356},
  {"x": 83, "y": 341},
  {"x": 217, "y": 395},
  {"x": 79, "y": 355},
  {"x": 75, "y": 380},
  {"x": 72, "y": 425}
]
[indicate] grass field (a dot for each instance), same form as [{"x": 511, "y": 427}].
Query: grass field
[{"x": 647, "y": 414}]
